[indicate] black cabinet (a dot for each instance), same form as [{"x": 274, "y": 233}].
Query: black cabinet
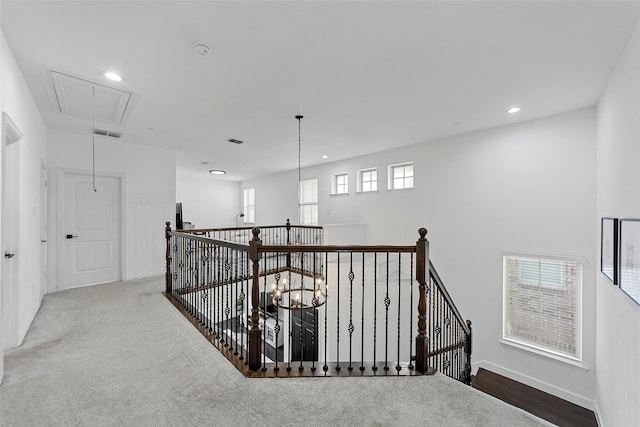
[{"x": 304, "y": 339}]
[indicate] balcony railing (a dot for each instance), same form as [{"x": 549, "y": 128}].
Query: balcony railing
[{"x": 277, "y": 302}]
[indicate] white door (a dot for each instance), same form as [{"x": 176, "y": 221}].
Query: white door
[
  {"x": 91, "y": 230},
  {"x": 10, "y": 237}
]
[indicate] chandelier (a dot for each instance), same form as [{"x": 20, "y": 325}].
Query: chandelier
[{"x": 291, "y": 295}]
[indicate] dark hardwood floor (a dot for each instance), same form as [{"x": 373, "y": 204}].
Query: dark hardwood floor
[{"x": 539, "y": 403}]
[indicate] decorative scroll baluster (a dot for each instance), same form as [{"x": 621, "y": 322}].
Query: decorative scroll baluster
[
  {"x": 387, "y": 302},
  {"x": 167, "y": 275},
  {"x": 350, "y": 328},
  {"x": 325, "y": 367},
  {"x": 362, "y": 318}
]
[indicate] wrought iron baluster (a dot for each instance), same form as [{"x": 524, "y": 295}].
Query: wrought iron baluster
[
  {"x": 290, "y": 352},
  {"x": 338, "y": 316},
  {"x": 375, "y": 309},
  {"x": 325, "y": 367},
  {"x": 350, "y": 328},
  {"x": 362, "y": 317},
  {"x": 398, "y": 368},
  {"x": 264, "y": 315},
  {"x": 387, "y": 302}
]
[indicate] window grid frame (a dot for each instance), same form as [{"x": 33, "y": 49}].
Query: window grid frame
[
  {"x": 408, "y": 181},
  {"x": 372, "y": 180}
]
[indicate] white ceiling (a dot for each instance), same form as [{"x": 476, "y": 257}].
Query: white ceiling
[{"x": 367, "y": 76}]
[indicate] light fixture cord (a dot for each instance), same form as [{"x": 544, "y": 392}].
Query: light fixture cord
[
  {"x": 93, "y": 139},
  {"x": 299, "y": 172}
]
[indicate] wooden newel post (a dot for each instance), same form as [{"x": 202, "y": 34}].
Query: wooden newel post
[
  {"x": 255, "y": 337},
  {"x": 422, "y": 271},
  {"x": 167, "y": 275}
]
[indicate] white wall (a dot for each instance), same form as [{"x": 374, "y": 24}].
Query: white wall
[
  {"x": 207, "y": 202},
  {"x": 26, "y": 295},
  {"x": 618, "y": 318},
  {"x": 527, "y": 187},
  {"x": 150, "y": 196}
]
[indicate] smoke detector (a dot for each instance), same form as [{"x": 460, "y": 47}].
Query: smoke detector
[{"x": 202, "y": 48}]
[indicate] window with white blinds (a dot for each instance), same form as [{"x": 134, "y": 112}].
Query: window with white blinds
[
  {"x": 249, "y": 205},
  {"x": 542, "y": 304},
  {"x": 308, "y": 203}
]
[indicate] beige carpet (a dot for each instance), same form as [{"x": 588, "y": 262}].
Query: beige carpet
[{"x": 121, "y": 355}]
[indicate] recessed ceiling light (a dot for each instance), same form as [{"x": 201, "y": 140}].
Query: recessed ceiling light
[
  {"x": 513, "y": 110},
  {"x": 216, "y": 172},
  {"x": 325, "y": 156},
  {"x": 113, "y": 76}
]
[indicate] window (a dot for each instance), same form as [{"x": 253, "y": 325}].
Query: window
[
  {"x": 249, "y": 203},
  {"x": 542, "y": 308},
  {"x": 309, "y": 202},
  {"x": 340, "y": 184},
  {"x": 367, "y": 180},
  {"x": 401, "y": 176}
]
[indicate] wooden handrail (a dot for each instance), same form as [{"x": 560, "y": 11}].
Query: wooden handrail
[
  {"x": 335, "y": 248},
  {"x": 465, "y": 324},
  {"x": 216, "y": 242}
]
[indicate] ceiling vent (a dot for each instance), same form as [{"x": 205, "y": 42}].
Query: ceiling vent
[
  {"x": 235, "y": 141},
  {"x": 74, "y": 96},
  {"x": 109, "y": 133}
]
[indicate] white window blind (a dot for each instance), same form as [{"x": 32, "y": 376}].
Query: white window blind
[
  {"x": 249, "y": 204},
  {"x": 542, "y": 304},
  {"x": 309, "y": 202}
]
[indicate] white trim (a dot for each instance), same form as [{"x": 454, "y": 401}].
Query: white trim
[
  {"x": 359, "y": 173},
  {"x": 535, "y": 383},
  {"x": 532, "y": 347},
  {"x": 390, "y": 178},
  {"x": 334, "y": 184},
  {"x": 546, "y": 353},
  {"x": 596, "y": 412},
  {"x": 60, "y": 222}
]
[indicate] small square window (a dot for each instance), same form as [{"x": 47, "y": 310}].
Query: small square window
[
  {"x": 367, "y": 180},
  {"x": 401, "y": 176},
  {"x": 340, "y": 184}
]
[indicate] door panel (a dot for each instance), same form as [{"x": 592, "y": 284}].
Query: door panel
[{"x": 91, "y": 233}]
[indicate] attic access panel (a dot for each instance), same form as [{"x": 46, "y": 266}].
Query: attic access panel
[{"x": 74, "y": 96}]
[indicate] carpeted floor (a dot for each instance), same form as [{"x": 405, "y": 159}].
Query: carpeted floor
[{"x": 121, "y": 355}]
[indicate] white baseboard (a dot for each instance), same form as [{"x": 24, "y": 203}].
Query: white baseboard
[
  {"x": 597, "y": 412},
  {"x": 535, "y": 383},
  {"x": 144, "y": 276}
]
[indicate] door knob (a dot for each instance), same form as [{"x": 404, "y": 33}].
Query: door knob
[
  {"x": 70, "y": 236},
  {"x": 9, "y": 255}
]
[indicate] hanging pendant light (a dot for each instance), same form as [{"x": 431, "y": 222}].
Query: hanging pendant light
[
  {"x": 295, "y": 293},
  {"x": 299, "y": 118}
]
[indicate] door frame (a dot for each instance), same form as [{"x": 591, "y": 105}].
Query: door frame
[
  {"x": 62, "y": 172},
  {"x": 10, "y": 134}
]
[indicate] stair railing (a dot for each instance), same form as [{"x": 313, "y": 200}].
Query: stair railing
[{"x": 228, "y": 286}]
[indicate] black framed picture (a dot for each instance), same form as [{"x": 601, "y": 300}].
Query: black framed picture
[
  {"x": 609, "y": 248},
  {"x": 629, "y": 265}
]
